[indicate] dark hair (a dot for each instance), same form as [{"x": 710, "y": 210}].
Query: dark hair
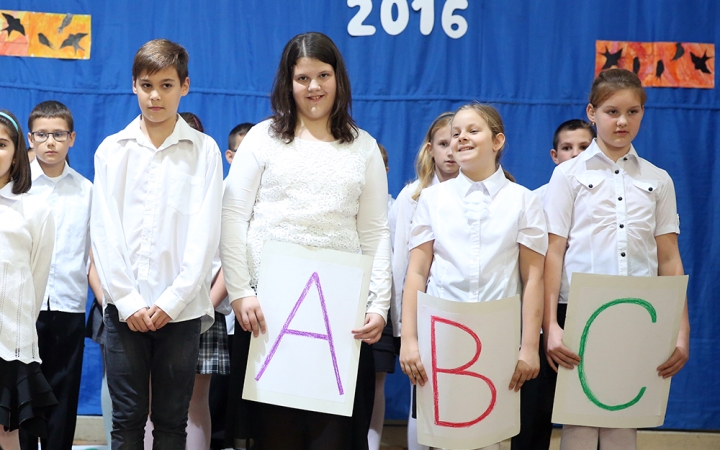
[
  {"x": 159, "y": 54},
  {"x": 193, "y": 121},
  {"x": 572, "y": 125},
  {"x": 239, "y": 130},
  {"x": 20, "y": 173},
  {"x": 494, "y": 120},
  {"x": 51, "y": 109},
  {"x": 608, "y": 82},
  {"x": 316, "y": 46}
]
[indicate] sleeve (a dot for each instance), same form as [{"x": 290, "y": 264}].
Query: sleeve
[
  {"x": 666, "y": 215},
  {"x": 241, "y": 189},
  {"x": 404, "y": 208},
  {"x": 374, "y": 233},
  {"x": 422, "y": 230},
  {"x": 532, "y": 231},
  {"x": 559, "y": 202},
  {"x": 203, "y": 238},
  {"x": 110, "y": 250},
  {"x": 41, "y": 256}
]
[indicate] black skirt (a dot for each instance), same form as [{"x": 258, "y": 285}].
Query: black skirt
[{"x": 25, "y": 397}]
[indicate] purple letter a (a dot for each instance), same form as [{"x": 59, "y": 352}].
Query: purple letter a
[{"x": 314, "y": 279}]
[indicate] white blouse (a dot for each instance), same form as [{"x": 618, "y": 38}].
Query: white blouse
[
  {"x": 610, "y": 214},
  {"x": 320, "y": 194},
  {"x": 69, "y": 197},
  {"x": 477, "y": 229},
  {"x": 27, "y": 234}
]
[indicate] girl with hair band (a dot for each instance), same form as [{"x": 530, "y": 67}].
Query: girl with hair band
[
  {"x": 27, "y": 233},
  {"x": 478, "y": 237},
  {"x": 434, "y": 165},
  {"x": 310, "y": 176},
  {"x": 623, "y": 222}
]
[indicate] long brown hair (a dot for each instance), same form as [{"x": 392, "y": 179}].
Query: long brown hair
[
  {"x": 316, "y": 46},
  {"x": 425, "y": 163},
  {"x": 20, "y": 173},
  {"x": 494, "y": 121},
  {"x": 608, "y": 82}
]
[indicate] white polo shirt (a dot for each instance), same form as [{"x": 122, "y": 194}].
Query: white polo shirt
[
  {"x": 477, "y": 229},
  {"x": 610, "y": 214},
  {"x": 69, "y": 197}
]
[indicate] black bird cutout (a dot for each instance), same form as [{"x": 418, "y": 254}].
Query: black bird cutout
[
  {"x": 45, "y": 41},
  {"x": 700, "y": 62},
  {"x": 13, "y": 25},
  {"x": 679, "y": 51},
  {"x": 66, "y": 21},
  {"x": 659, "y": 69},
  {"x": 611, "y": 58},
  {"x": 73, "y": 41},
  {"x": 636, "y": 65}
]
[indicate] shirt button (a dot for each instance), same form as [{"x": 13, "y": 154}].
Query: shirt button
[
  {"x": 625, "y": 158},
  {"x": 620, "y": 198},
  {"x": 590, "y": 186},
  {"x": 622, "y": 254},
  {"x": 650, "y": 189},
  {"x": 622, "y": 226},
  {"x": 617, "y": 172}
]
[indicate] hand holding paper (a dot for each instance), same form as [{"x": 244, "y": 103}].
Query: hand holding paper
[
  {"x": 372, "y": 330},
  {"x": 250, "y": 315},
  {"x": 557, "y": 353},
  {"x": 527, "y": 368}
]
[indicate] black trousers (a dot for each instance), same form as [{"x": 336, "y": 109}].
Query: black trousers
[
  {"x": 219, "y": 389},
  {"x": 536, "y": 403},
  {"x": 61, "y": 341}
]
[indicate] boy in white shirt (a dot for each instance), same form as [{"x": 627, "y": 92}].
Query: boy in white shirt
[
  {"x": 155, "y": 229},
  {"x": 61, "y": 323}
]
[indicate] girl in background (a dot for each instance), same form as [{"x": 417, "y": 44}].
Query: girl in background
[
  {"x": 27, "y": 234},
  {"x": 609, "y": 212},
  {"x": 434, "y": 165},
  {"x": 477, "y": 237}
]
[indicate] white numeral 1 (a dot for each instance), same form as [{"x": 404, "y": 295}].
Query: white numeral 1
[{"x": 427, "y": 14}]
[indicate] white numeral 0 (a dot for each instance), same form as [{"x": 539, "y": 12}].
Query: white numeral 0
[
  {"x": 394, "y": 27},
  {"x": 449, "y": 19},
  {"x": 356, "y": 27}
]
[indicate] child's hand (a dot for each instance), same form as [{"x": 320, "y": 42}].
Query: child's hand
[
  {"x": 676, "y": 361},
  {"x": 140, "y": 321},
  {"x": 250, "y": 315},
  {"x": 556, "y": 352},
  {"x": 158, "y": 316},
  {"x": 527, "y": 368},
  {"x": 410, "y": 362},
  {"x": 372, "y": 330}
]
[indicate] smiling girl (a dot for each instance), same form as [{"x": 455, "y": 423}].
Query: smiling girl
[
  {"x": 609, "y": 212},
  {"x": 308, "y": 176},
  {"x": 478, "y": 237}
]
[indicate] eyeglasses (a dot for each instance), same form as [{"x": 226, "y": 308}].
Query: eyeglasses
[{"x": 59, "y": 136}]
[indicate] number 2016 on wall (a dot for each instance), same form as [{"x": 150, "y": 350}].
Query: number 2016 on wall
[{"x": 454, "y": 25}]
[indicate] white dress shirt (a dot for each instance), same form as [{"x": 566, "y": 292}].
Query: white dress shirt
[
  {"x": 477, "y": 229},
  {"x": 320, "y": 194},
  {"x": 154, "y": 221},
  {"x": 541, "y": 191},
  {"x": 69, "y": 196},
  {"x": 610, "y": 214},
  {"x": 402, "y": 211},
  {"x": 27, "y": 233}
]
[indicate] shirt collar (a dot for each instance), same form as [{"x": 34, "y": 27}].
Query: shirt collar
[
  {"x": 7, "y": 192},
  {"x": 490, "y": 186},
  {"x": 37, "y": 172},
  {"x": 595, "y": 151},
  {"x": 181, "y": 132}
]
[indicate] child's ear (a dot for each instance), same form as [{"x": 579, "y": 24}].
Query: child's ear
[
  {"x": 590, "y": 110},
  {"x": 185, "y": 86},
  {"x": 30, "y": 140},
  {"x": 133, "y": 86},
  {"x": 553, "y": 155},
  {"x": 499, "y": 141},
  {"x": 71, "y": 139}
]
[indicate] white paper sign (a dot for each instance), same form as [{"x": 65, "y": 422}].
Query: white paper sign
[
  {"x": 312, "y": 299},
  {"x": 623, "y": 328},
  {"x": 469, "y": 351}
]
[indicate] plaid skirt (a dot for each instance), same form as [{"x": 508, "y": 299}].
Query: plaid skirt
[{"x": 214, "y": 356}]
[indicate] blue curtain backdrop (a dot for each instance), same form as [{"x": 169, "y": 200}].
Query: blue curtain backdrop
[{"x": 533, "y": 60}]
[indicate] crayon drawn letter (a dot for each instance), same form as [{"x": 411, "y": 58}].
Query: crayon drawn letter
[{"x": 459, "y": 371}]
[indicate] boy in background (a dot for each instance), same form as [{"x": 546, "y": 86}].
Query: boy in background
[
  {"x": 235, "y": 138},
  {"x": 61, "y": 323},
  {"x": 155, "y": 229},
  {"x": 536, "y": 397}
]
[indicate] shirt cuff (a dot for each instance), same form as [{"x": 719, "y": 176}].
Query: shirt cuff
[
  {"x": 376, "y": 310},
  {"x": 171, "y": 303},
  {"x": 129, "y": 305}
]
